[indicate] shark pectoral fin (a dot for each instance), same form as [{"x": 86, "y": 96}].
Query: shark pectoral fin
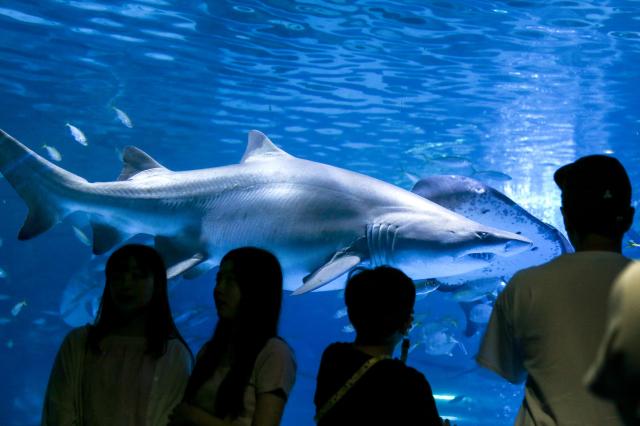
[
  {"x": 38, "y": 220},
  {"x": 105, "y": 237},
  {"x": 198, "y": 270},
  {"x": 184, "y": 265},
  {"x": 181, "y": 258},
  {"x": 340, "y": 264}
]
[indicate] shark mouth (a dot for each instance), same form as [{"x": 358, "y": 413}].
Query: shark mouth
[{"x": 485, "y": 257}]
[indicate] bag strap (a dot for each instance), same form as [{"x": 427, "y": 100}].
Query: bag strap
[{"x": 331, "y": 402}]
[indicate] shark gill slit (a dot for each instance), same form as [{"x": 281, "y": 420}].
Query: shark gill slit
[
  {"x": 381, "y": 238},
  {"x": 371, "y": 244}
]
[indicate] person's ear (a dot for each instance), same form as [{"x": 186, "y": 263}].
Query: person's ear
[
  {"x": 631, "y": 213},
  {"x": 407, "y": 325},
  {"x": 627, "y": 218}
]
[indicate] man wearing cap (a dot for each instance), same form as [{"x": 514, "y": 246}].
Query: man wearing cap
[{"x": 547, "y": 323}]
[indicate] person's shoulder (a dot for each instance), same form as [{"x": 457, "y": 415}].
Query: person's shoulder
[
  {"x": 338, "y": 347},
  {"x": 526, "y": 274},
  {"x": 277, "y": 345},
  {"x": 410, "y": 378},
  {"x": 75, "y": 340},
  {"x": 177, "y": 347},
  {"x": 78, "y": 334},
  {"x": 625, "y": 286},
  {"x": 276, "y": 348},
  {"x": 532, "y": 275},
  {"x": 337, "y": 350},
  {"x": 276, "y": 359},
  {"x": 407, "y": 371}
]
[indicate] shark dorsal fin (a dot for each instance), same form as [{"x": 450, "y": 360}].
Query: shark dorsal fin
[
  {"x": 260, "y": 148},
  {"x": 135, "y": 161}
]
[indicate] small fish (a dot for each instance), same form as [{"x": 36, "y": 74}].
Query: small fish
[
  {"x": 439, "y": 342},
  {"x": 348, "y": 329},
  {"x": 4, "y": 297},
  {"x": 340, "y": 313},
  {"x": 77, "y": 135},
  {"x": 491, "y": 175},
  {"x": 81, "y": 236},
  {"x": 458, "y": 399},
  {"x": 633, "y": 244},
  {"x": 4, "y": 320},
  {"x": 3, "y": 273},
  {"x": 53, "y": 153},
  {"x": 18, "y": 307},
  {"x": 414, "y": 325},
  {"x": 39, "y": 321},
  {"x": 451, "y": 162},
  {"x": 123, "y": 117},
  {"x": 10, "y": 344},
  {"x": 414, "y": 346}
]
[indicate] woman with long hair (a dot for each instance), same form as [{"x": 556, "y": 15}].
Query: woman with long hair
[
  {"x": 132, "y": 365},
  {"x": 245, "y": 372}
]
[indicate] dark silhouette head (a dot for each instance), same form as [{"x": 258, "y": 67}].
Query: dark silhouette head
[
  {"x": 129, "y": 269},
  {"x": 596, "y": 197},
  {"x": 379, "y": 304},
  {"x": 258, "y": 276},
  {"x": 245, "y": 327}
]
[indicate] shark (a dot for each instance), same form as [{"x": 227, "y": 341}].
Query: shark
[
  {"x": 484, "y": 204},
  {"x": 320, "y": 221}
]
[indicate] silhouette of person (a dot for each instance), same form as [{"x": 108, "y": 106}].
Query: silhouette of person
[
  {"x": 359, "y": 383},
  {"x": 132, "y": 365},
  {"x": 615, "y": 373},
  {"x": 547, "y": 323},
  {"x": 244, "y": 373}
]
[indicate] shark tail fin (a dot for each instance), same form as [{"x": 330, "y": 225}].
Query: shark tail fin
[{"x": 40, "y": 183}]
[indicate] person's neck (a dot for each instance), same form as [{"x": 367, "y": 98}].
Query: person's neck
[
  {"x": 595, "y": 242},
  {"x": 376, "y": 350},
  {"x": 132, "y": 325}
]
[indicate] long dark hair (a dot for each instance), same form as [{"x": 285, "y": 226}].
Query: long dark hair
[
  {"x": 259, "y": 278},
  {"x": 160, "y": 326}
]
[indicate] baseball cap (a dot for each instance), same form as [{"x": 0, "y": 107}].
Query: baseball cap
[{"x": 597, "y": 179}]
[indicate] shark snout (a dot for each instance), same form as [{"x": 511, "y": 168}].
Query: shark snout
[{"x": 509, "y": 243}]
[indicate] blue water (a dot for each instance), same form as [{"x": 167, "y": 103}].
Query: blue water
[{"x": 392, "y": 89}]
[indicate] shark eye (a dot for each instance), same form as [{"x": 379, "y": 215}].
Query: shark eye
[{"x": 482, "y": 235}]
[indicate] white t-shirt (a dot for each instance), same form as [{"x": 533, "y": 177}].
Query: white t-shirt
[
  {"x": 274, "y": 369},
  {"x": 123, "y": 386},
  {"x": 545, "y": 327},
  {"x": 616, "y": 371}
]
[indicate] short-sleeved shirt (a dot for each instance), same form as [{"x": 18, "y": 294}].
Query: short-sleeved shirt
[
  {"x": 615, "y": 374},
  {"x": 389, "y": 393},
  {"x": 545, "y": 328},
  {"x": 274, "y": 370}
]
